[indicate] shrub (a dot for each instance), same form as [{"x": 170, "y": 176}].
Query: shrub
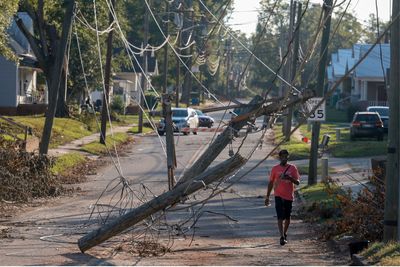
[{"x": 117, "y": 104}]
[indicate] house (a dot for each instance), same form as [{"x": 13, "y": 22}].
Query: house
[
  {"x": 365, "y": 86},
  {"x": 19, "y": 88},
  {"x": 127, "y": 82}
]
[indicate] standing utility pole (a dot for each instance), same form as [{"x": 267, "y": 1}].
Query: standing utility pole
[
  {"x": 292, "y": 60},
  {"x": 178, "y": 59},
  {"x": 228, "y": 47},
  {"x": 107, "y": 75},
  {"x": 312, "y": 168},
  {"x": 187, "y": 88},
  {"x": 390, "y": 223},
  {"x": 166, "y": 104},
  {"x": 144, "y": 67}
]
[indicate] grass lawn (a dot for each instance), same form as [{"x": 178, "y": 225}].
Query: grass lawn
[
  {"x": 296, "y": 148},
  {"x": 359, "y": 148},
  {"x": 134, "y": 129},
  {"x": 67, "y": 161},
  {"x": 99, "y": 149},
  {"x": 303, "y": 170},
  {"x": 383, "y": 254},
  {"x": 321, "y": 194},
  {"x": 64, "y": 130}
]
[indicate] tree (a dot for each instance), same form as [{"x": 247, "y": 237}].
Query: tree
[
  {"x": 371, "y": 31},
  {"x": 348, "y": 31},
  {"x": 49, "y": 47},
  {"x": 8, "y": 9}
]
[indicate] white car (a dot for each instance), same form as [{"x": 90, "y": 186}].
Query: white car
[{"x": 184, "y": 120}]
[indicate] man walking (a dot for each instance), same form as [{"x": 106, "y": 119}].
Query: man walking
[{"x": 282, "y": 179}]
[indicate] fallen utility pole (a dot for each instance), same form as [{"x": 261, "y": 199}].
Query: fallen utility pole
[
  {"x": 161, "y": 202},
  {"x": 196, "y": 177},
  {"x": 244, "y": 116}
]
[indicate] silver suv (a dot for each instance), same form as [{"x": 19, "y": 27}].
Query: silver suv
[{"x": 184, "y": 120}]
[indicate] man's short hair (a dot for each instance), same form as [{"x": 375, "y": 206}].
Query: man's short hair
[{"x": 283, "y": 152}]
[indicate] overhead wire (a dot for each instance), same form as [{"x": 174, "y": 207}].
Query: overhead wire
[
  {"x": 183, "y": 63},
  {"x": 106, "y": 104}
]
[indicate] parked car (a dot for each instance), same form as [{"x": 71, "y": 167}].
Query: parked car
[
  {"x": 383, "y": 112},
  {"x": 182, "y": 119},
  {"x": 204, "y": 120},
  {"x": 366, "y": 124}
]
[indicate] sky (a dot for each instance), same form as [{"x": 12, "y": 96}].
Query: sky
[{"x": 244, "y": 17}]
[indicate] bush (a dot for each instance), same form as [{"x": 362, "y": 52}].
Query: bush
[
  {"x": 117, "y": 104},
  {"x": 89, "y": 120},
  {"x": 359, "y": 216}
]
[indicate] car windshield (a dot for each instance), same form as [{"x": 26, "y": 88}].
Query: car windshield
[
  {"x": 179, "y": 113},
  {"x": 199, "y": 112},
  {"x": 381, "y": 111},
  {"x": 366, "y": 117}
]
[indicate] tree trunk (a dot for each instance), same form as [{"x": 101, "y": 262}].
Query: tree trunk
[
  {"x": 53, "y": 79},
  {"x": 62, "y": 107}
]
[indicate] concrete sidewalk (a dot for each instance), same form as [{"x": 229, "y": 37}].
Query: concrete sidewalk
[{"x": 75, "y": 145}]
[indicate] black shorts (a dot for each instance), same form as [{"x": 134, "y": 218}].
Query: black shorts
[{"x": 283, "y": 208}]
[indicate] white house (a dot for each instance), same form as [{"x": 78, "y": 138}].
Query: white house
[
  {"x": 127, "y": 82},
  {"x": 19, "y": 88}
]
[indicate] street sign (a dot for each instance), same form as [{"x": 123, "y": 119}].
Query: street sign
[{"x": 320, "y": 113}]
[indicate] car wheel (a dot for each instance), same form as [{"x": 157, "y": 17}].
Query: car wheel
[
  {"x": 195, "y": 133},
  {"x": 161, "y": 133},
  {"x": 185, "y": 133}
]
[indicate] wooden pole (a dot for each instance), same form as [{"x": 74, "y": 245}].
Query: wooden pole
[
  {"x": 107, "y": 76},
  {"x": 312, "y": 168},
  {"x": 159, "y": 203},
  {"x": 390, "y": 223},
  {"x": 144, "y": 67}
]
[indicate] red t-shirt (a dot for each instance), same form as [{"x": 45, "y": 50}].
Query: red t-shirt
[{"x": 284, "y": 188}]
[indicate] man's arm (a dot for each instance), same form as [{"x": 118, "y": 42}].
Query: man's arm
[
  {"x": 293, "y": 180},
  {"x": 270, "y": 186}
]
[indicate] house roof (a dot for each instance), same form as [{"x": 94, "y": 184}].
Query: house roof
[
  {"x": 376, "y": 63},
  {"x": 373, "y": 66},
  {"x": 340, "y": 61}
]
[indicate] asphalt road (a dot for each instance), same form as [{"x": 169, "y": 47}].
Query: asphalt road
[{"x": 233, "y": 228}]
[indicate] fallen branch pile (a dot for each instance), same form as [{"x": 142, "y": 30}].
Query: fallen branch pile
[{"x": 25, "y": 175}]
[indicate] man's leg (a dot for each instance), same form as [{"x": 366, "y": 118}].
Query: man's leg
[
  {"x": 288, "y": 211},
  {"x": 285, "y": 229},
  {"x": 280, "y": 227}
]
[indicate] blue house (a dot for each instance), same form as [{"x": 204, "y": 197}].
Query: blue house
[
  {"x": 19, "y": 87},
  {"x": 365, "y": 85}
]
